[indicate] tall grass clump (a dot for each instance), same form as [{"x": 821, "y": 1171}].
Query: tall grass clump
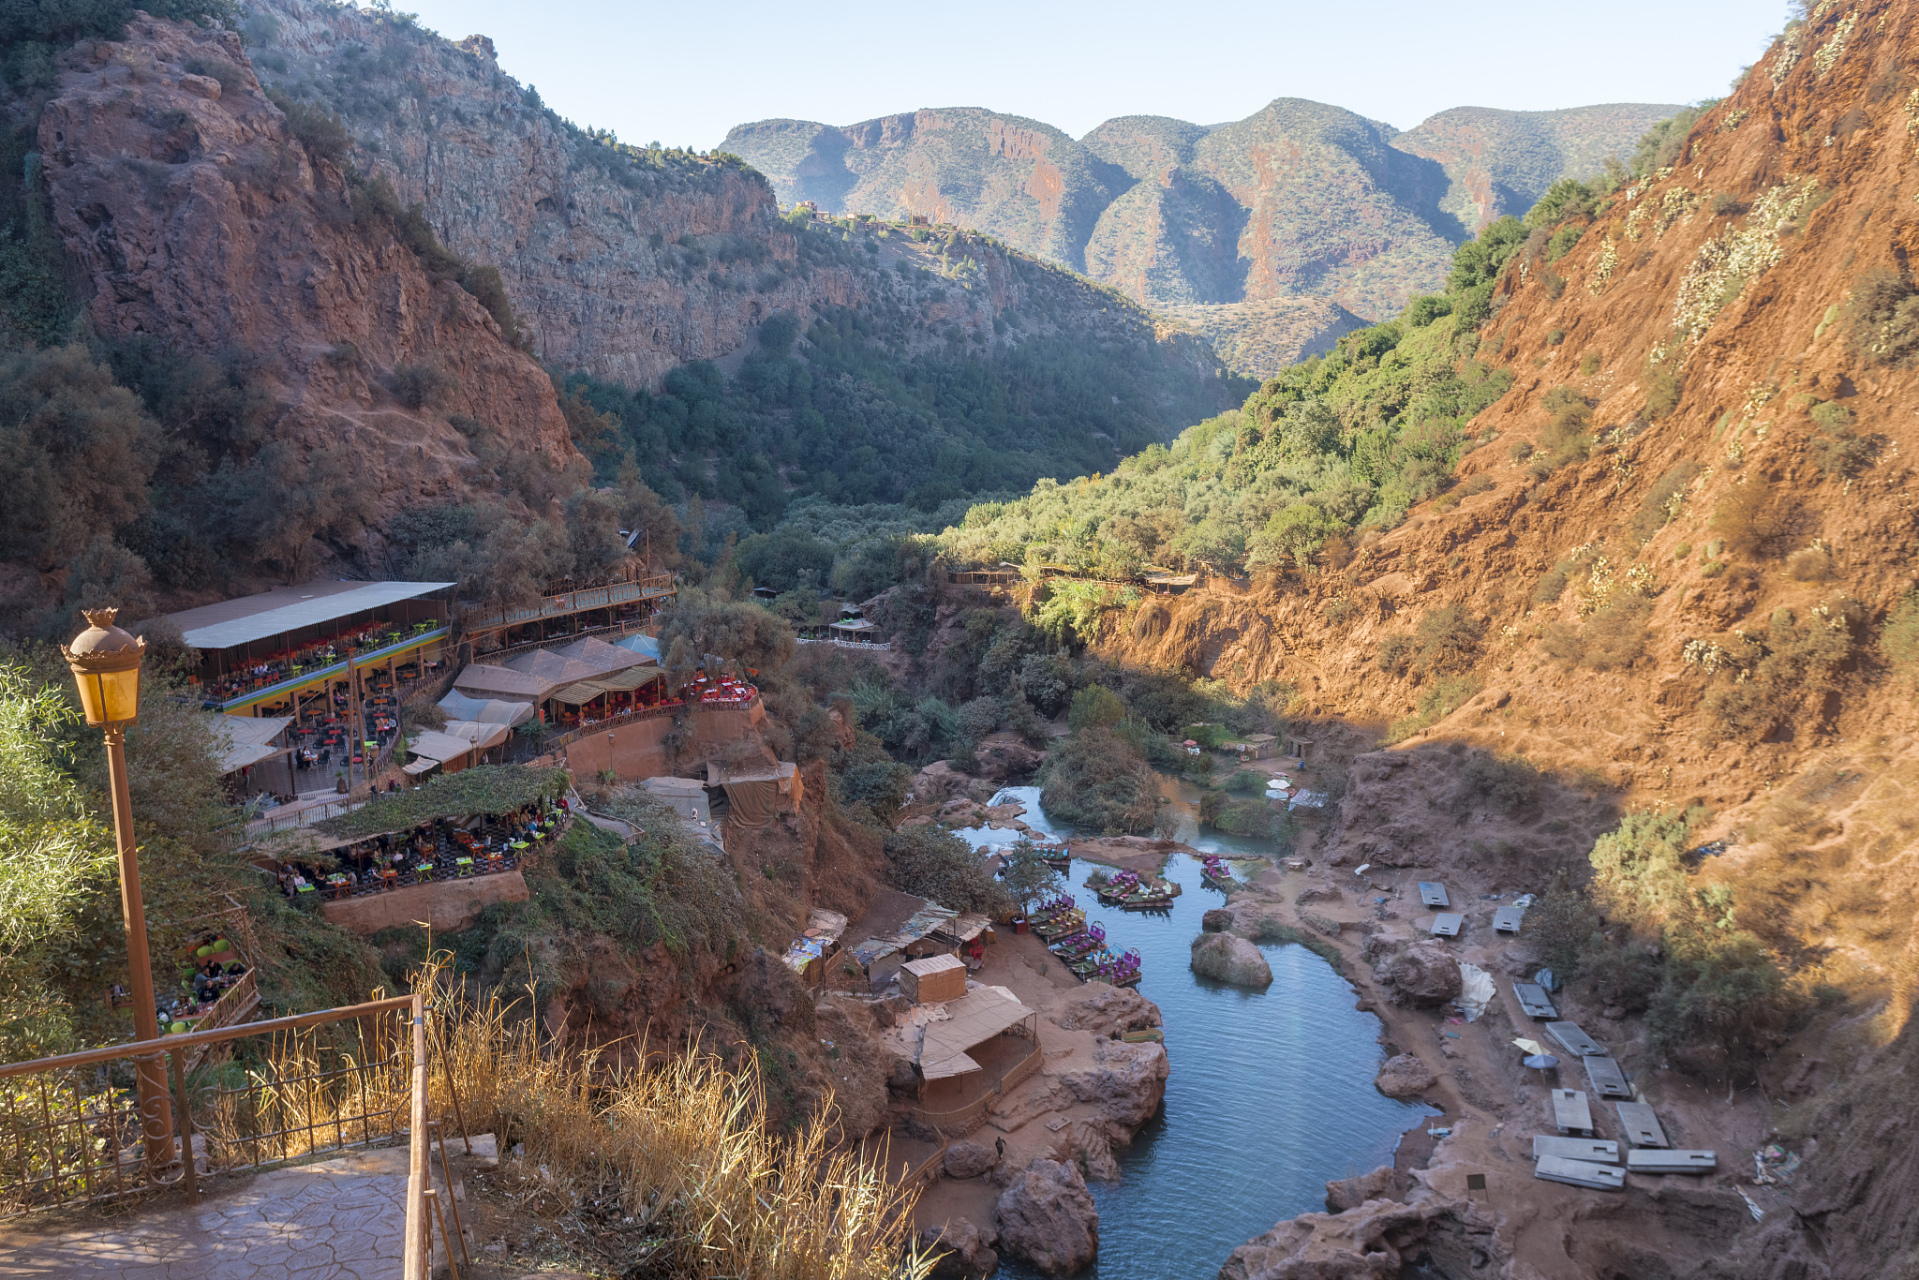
[{"x": 679, "y": 1146}]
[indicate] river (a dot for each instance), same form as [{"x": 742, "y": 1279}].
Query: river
[{"x": 1271, "y": 1092}]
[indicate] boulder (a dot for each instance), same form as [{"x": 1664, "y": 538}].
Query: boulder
[
  {"x": 968, "y": 1160},
  {"x": 965, "y": 1250},
  {"x": 1128, "y": 1081},
  {"x": 1424, "y": 974},
  {"x": 940, "y": 782},
  {"x": 1352, "y": 1245},
  {"x": 1048, "y": 1218},
  {"x": 1216, "y": 920},
  {"x": 1010, "y": 762},
  {"x": 1349, "y": 1193},
  {"x": 1316, "y": 893},
  {"x": 1087, "y": 1143},
  {"x": 1404, "y": 1077},
  {"x": 1227, "y": 957},
  {"x": 1104, "y": 1009}
]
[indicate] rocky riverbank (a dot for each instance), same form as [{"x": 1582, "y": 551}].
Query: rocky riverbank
[{"x": 1461, "y": 1198}]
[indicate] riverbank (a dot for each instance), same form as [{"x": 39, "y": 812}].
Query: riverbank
[{"x": 1467, "y": 1198}]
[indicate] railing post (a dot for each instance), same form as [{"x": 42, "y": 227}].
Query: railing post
[
  {"x": 190, "y": 1174},
  {"x": 416, "y": 1220}
]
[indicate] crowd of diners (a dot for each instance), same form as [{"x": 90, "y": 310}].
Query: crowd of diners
[
  {"x": 208, "y": 970},
  {"x": 443, "y": 849},
  {"x": 282, "y": 664},
  {"x": 702, "y": 689}
]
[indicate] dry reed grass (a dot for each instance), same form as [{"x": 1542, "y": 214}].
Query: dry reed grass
[{"x": 702, "y": 1188}]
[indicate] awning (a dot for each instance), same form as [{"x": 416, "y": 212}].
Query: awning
[
  {"x": 973, "y": 1019},
  {"x": 485, "y": 681},
  {"x": 483, "y": 736},
  {"x": 458, "y": 706},
  {"x": 438, "y": 747},
  {"x": 418, "y": 767},
  {"x": 645, "y": 646},
  {"x": 239, "y": 741},
  {"x": 276, "y": 612}
]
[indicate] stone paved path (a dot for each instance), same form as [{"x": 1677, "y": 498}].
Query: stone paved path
[{"x": 341, "y": 1219}]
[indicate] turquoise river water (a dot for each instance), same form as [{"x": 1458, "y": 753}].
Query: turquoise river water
[{"x": 1271, "y": 1092}]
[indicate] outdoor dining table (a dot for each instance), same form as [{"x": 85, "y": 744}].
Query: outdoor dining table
[
  {"x": 424, "y": 871},
  {"x": 465, "y": 865},
  {"x": 389, "y": 875},
  {"x": 518, "y": 844}
]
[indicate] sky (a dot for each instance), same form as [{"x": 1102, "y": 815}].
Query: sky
[{"x": 683, "y": 74}]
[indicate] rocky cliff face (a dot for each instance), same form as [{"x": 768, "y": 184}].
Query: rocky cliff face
[
  {"x": 625, "y": 263},
  {"x": 1310, "y": 212},
  {"x": 623, "y": 266},
  {"x": 194, "y": 217}
]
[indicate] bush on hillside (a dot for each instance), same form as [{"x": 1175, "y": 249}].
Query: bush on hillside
[
  {"x": 935, "y": 864},
  {"x": 1900, "y": 637},
  {"x": 1883, "y": 315},
  {"x": 1743, "y": 516},
  {"x": 1779, "y": 671},
  {"x": 1095, "y": 707}
]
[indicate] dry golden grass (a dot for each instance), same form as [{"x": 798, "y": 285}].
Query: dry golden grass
[
  {"x": 684, "y": 1146},
  {"x": 702, "y": 1187}
]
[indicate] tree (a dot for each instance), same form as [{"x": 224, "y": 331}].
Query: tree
[
  {"x": 56, "y": 846},
  {"x": 1026, "y": 874}
]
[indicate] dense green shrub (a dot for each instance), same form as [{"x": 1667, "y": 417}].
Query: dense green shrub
[
  {"x": 935, "y": 864},
  {"x": 1099, "y": 781},
  {"x": 1095, "y": 707},
  {"x": 1837, "y": 449}
]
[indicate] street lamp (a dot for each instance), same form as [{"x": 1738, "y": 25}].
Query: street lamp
[{"x": 106, "y": 666}]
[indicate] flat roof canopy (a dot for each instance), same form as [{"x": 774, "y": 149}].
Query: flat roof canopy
[{"x": 284, "y": 609}]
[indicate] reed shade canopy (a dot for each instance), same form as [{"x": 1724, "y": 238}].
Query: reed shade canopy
[{"x": 106, "y": 666}]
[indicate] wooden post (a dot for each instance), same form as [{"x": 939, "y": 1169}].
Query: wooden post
[{"x": 416, "y": 1184}]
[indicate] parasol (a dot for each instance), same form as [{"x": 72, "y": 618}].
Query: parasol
[{"x": 1542, "y": 1062}]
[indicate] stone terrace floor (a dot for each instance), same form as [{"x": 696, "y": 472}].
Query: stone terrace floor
[{"x": 339, "y": 1219}]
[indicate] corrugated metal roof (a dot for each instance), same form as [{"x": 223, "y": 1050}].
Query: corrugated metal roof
[{"x": 284, "y": 609}]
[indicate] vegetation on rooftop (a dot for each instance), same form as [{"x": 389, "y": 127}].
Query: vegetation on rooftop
[{"x": 489, "y": 789}]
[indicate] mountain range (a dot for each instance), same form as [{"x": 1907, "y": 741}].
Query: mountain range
[{"x": 1272, "y": 235}]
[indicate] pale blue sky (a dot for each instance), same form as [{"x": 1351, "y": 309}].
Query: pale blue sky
[{"x": 683, "y": 73}]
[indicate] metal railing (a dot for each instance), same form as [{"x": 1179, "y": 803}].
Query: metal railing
[
  {"x": 304, "y": 817},
  {"x": 71, "y": 1133},
  {"x": 651, "y": 587}
]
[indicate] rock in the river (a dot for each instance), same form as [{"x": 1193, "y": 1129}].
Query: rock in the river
[
  {"x": 1425, "y": 974},
  {"x": 1353, "y": 1245},
  {"x": 1349, "y": 1193},
  {"x": 967, "y": 1251},
  {"x": 1104, "y": 1009},
  {"x": 1048, "y": 1218},
  {"x": 1216, "y": 920},
  {"x": 968, "y": 1160},
  {"x": 1128, "y": 1081},
  {"x": 1405, "y": 1077},
  {"x": 1227, "y": 957}
]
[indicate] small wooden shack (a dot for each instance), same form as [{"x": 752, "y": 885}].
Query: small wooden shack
[{"x": 933, "y": 979}]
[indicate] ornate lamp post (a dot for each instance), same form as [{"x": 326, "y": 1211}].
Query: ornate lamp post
[{"x": 106, "y": 666}]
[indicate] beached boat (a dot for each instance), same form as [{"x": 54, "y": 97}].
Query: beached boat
[
  {"x": 1217, "y": 875},
  {"x": 1057, "y": 856},
  {"x": 1120, "y": 886},
  {"x": 1079, "y": 944}
]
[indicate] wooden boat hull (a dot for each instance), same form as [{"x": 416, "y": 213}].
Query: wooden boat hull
[{"x": 1159, "y": 902}]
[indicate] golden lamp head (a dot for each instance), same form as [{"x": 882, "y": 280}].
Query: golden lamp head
[{"x": 106, "y": 666}]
